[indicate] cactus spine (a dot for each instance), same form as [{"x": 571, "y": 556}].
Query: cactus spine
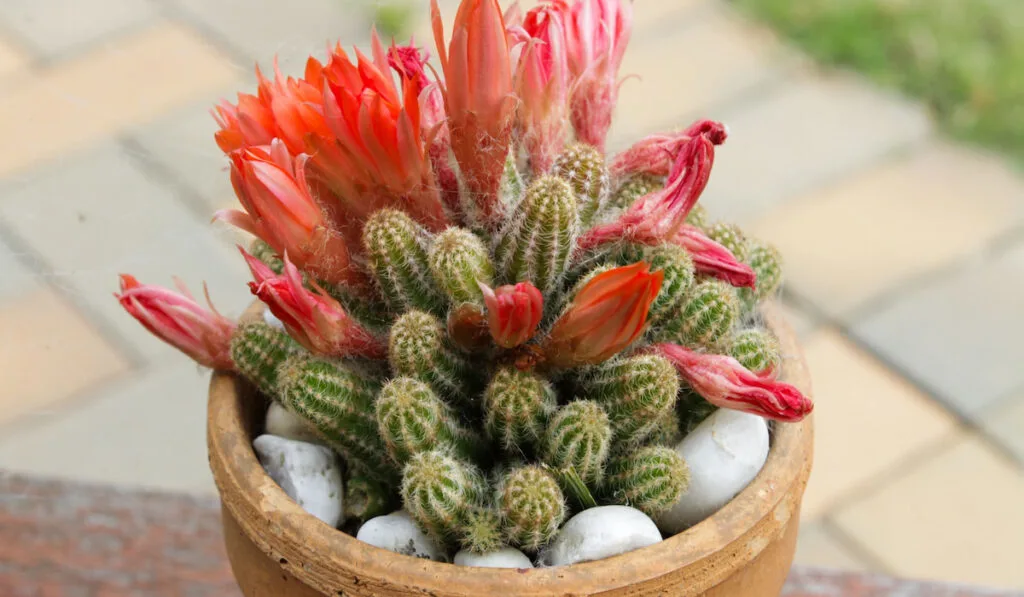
[
  {"x": 766, "y": 262},
  {"x": 583, "y": 167},
  {"x": 511, "y": 190},
  {"x": 338, "y": 401},
  {"x": 579, "y": 437},
  {"x": 633, "y": 188},
  {"x": 365, "y": 498},
  {"x": 418, "y": 347},
  {"x": 537, "y": 242},
  {"x": 482, "y": 530},
  {"x": 532, "y": 506},
  {"x": 652, "y": 479},
  {"x": 679, "y": 275},
  {"x": 755, "y": 349},
  {"x": 666, "y": 430},
  {"x": 413, "y": 419},
  {"x": 706, "y": 316},
  {"x": 396, "y": 249},
  {"x": 698, "y": 217},
  {"x": 261, "y": 250},
  {"x": 458, "y": 260},
  {"x": 258, "y": 349},
  {"x": 517, "y": 405},
  {"x": 440, "y": 492},
  {"x": 635, "y": 392},
  {"x": 731, "y": 237}
]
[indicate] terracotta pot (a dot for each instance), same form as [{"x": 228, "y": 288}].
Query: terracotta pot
[{"x": 277, "y": 550}]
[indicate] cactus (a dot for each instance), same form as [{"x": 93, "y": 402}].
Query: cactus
[
  {"x": 583, "y": 167},
  {"x": 512, "y": 188},
  {"x": 705, "y": 317},
  {"x": 481, "y": 532},
  {"x": 698, "y": 217},
  {"x": 538, "y": 240},
  {"x": 692, "y": 409},
  {"x": 258, "y": 349},
  {"x": 755, "y": 349},
  {"x": 458, "y": 261},
  {"x": 731, "y": 237},
  {"x": 766, "y": 262},
  {"x": 264, "y": 252},
  {"x": 419, "y": 347},
  {"x": 396, "y": 250},
  {"x": 532, "y": 506},
  {"x": 517, "y": 405},
  {"x": 441, "y": 492},
  {"x": 413, "y": 419},
  {"x": 635, "y": 392},
  {"x": 667, "y": 431},
  {"x": 632, "y": 189},
  {"x": 679, "y": 275},
  {"x": 338, "y": 401},
  {"x": 651, "y": 479},
  {"x": 365, "y": 498},
  {"x": 579, "y": 437}
]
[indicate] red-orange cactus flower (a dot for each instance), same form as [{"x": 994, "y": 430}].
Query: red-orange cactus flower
[
  {"x": 724, "y": 382},
  {"x": 478, "y": 100},
  {"x": 513, "y": 312},
  {"x": 713, "y": 259},
  {"x": 655, "y": 154},
  {"x": 315, "y": 319},
  {"x": 605, "y": 316},
  {"x": 177, "y": 319},
  {"x": 280, "y": 209},
  {"x": 297, "y": 106},
  {"x": 247, "y": 123}
]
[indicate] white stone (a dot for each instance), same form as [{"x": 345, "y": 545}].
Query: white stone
[
  {"x": 724, "y": 454},
  {"x": 284, "y": 424},
  {"x": 506, "y": 557},
  {"x": 598, "y": 533},
  {"x": 398, "y": 533},
  {"x": 308, "y": 473},
  {"x": 272, "y": 319}
]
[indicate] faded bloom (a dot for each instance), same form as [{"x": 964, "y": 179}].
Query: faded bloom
[
  {"x": 315, "y": 319},
  {"x": 722, "y": 381},
  {"x": 605, "y": 316},
  {"x": 513, "y": 312},
  {"x": 655, "y": 154},
  {"x": 713, "y": 259},
  {"x": 177, "y": 319}
]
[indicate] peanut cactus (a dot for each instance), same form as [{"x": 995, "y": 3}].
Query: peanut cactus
[
  {"x": 583, "y": 166},
  {"x": 731, "y": 237},
  {"x": 678, "y": 267},
  {"x": 579, "y": 437},
  {"x": 441, "y": 492},
  {"x": 396, "y": 248},
  {"x": 481, "y": 531},
  {"x": 635, "y": 392},
  {"x": 698, "y": 217},
  {"x": 517, "y": 405},
  {"x": 419, "y": 347},
  {"x": 651, "y": 479},
  {"x": 632, "y": 189},
  {"x": 755, "y": 349},
  {"x": 366, "y": 498},
  {"x": 705, "y": 316},
  {"x": 459, "y": 262},
  {"x": 258, "y": 350},
  {"x": 532, "y": 506},
  {"x": 264, "y": 252},
  {"x": 766, "y": 262}
]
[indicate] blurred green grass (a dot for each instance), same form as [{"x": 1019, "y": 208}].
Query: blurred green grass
[{"x": 964, "y": 58}]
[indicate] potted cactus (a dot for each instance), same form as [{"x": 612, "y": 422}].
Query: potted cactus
[{"x": 482, "y": 341}]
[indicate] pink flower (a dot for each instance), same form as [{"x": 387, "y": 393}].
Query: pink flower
[
  {"x": 478, "y": 100},
  {"x": 655, "y": 154},
  {"x": 722, "y": 381},
  {"x": 313, "y": 318},
  {"x": 605, "y": 316},
  {"x": 513, "y": 312},
  {"x": 596, "y": 35},
  {"x": 542, "y": 84},
  {"x": 280, "y": 209},
  {"x": 657, "y": 216},
  {"x": 713, "y": 259},
  {"x": 180, "y": 321}
]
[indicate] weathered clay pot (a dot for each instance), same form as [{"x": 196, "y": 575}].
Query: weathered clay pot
[{"x": 277, "y": 550}]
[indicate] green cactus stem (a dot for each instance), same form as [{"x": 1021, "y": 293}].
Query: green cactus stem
[
  {"x": 258, "y": 349},
  {"x": 337, "y": 400},
  {"x": 482, "y": 531},
  {"x": 579, "y": 437},
  {"x": 635, "y": 392},
  {"x": 705, "y": 318},
  {"x": 440, "y": 492},
  {"x": 261, "y": 250},
  {"x": 458, "y": 261},
  {"x": 532, "y": 506},
  {"x": 698, "y": 217},
  {"x": 396, "y": 251},
  {"x": 538, "y": 240},
  {"x": 366, "y": 498},
  {"x": 651, "y": 479},
  {"x": 418, "y": 347},
  {"x": 756, "y": 349},
  {"x": 633, "y": 188},
  {"x": 583, "y": 167},
  {"x": 766, "y": 262},
  {"x": 413, "y": 419},
  {"x": 731, "y": 237},
  {"x": 679, "y": 275},
  {"x": 667, "y": 431},
  {"x": 512, "y": 186},
  {"x": 517, "y": 405}
]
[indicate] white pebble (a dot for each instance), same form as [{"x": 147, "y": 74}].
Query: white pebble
[
  {"x": 308, "y": 473},
  {"x": 598, "y": 533},
  {"x": 724, "y": 454},
  {"x": 506, "y": 557},
  {"x": 272, "y": 320},
  {"x": 398, "y": 533},
  {"x": 284, "y": 424}
]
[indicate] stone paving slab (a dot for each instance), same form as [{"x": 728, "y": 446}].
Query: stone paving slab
[
  {"x": 59, "y": 28},
  {"x": 1004, "y": 421}
]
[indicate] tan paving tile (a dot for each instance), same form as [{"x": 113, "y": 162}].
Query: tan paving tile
[
  {"x": 100, "y": 93},
  {"x": 857, "y": 398},
  {"x": 48, "y": 354},
  {"x": 957, "y": 517},
  {"x": 909, "y": 216},
  {"x": 1005, "y": 422},
  {"x": 818, "y": 547},
  {"x": 656, "y": 14},
  {"x": 12, "y": 59}
]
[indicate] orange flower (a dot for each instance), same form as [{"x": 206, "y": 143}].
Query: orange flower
[
  {"x": 478, "y": 100},
  {"x": 605, "y": 316},
  {"x": 250, "y": 122}
]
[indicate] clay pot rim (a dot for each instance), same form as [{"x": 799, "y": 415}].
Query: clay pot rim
[{"x": 315, "y": 553}]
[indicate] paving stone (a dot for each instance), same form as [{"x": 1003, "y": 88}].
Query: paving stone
[
  {"x": 819, "y": 548},
  {"x": 657, "y": 15},
  {"x": 957, "y": 517},
  {"x": 98, "y": 216},
  {"x": 12, "y": 59},
  {"x": 958, "y": 336},
  {"x": 56, "y": 27},
  {"x": 146, "y": 431},
  {"x": 802, "y": 134},
  {"x": 16, "y": 280},
  {"x": 1004, "y": 421}
]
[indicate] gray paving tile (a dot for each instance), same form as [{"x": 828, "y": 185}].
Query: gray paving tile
[
  {"x": 97, "y": 216},
  {"x": 146, "y": 431},
  {"x": 1005, "y": 422},
  {"x": 15, "y": 279},
  {"x": 804, "y": 133},
  {"x": 960, "y": 335},
  {"x": 819, "y": 548},
  {"x": 56, "y": 27}
]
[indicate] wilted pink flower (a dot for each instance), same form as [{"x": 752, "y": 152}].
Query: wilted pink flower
[
  {"x": 596, "y": 35},
  {"x": 542, "y": 85},
  {"x": 478, "y": 100},
  {"x": 722, "y": 381},
  {"x": 712, "y": 259},
  {"x": 605, "y": 316},
  {"x": 513, "y": 312},
  {"x": 180, "y": 321},
  {"x": 315, "y": 319},
  {"x": 655, "y": 154}
]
